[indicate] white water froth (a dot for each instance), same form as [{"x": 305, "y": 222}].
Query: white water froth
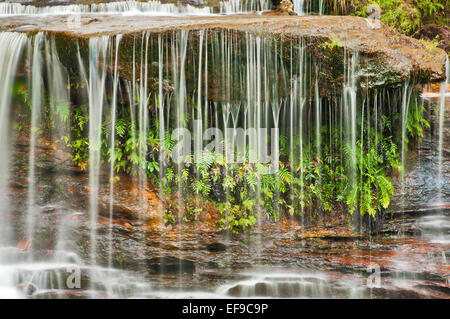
[
  {"x": 299, "y": 7},
  {"x": 130, "y": 7},
  {"x": 241, "y": 6},
  {"x": 120, "y": 7}
]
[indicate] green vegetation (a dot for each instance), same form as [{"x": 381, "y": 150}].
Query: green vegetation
[
  {"x": 336, "y": 180},
  {"x": 318, "y": 170},
  {"x": 406, "y": 16},
  {"x": 334, "y": 43}
]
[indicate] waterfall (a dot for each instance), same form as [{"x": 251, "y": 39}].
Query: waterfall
[
  {"x": 11, "y": 47},
  {"x": 302, "y": 7},
  {"x": 112, "y": 150},
  {"x": 350, "y": 102},
  {"x": 317, "y": 111},
  {"x": 299, "y": 7},
  {"x": 36, "y": 79},
  {"x": 443, "y": 94},
  {"x": 406, "y": 94},
  {"x": 98, "y": 48},
  {"x": 270, "y": 138},
  {"x": 154, "y": 7},
  {"x": 239, "y": 6},
  {"x": 59, "y": 104},
  {"x": 119, "y": 7},
  {"x": 302, "y": 101},
  {"x": 142, "y": 99},
  {"x": 162, "y": 137},
  {"x": 130, "y": 7}
]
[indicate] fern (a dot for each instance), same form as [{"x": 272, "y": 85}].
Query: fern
[
  {"x": 169, "y": 143},
  {"x": 121, "y": 127},
  {"x": 351, "y": 198},
  {"x": 385, "y": 190},
  {"x": 252, "y": 180},
  {"x": 285, "y": 175},
  {"x": 205, "y": 162},
  {"x": 415, "y": 122}
]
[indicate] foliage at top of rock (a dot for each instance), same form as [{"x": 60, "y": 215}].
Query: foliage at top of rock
[{"x": 410, "y": 17}]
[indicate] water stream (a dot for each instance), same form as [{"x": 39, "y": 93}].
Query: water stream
[
  {"x": 94, "y": 227},
  {"x": 119, "y": 7},
  {"x": 154, "y": 7}
]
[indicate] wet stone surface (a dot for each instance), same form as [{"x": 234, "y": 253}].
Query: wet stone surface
[
  {"x": 409, "y": 257},
  {"x": 283, "y": 260},
  {"x": 422, "y": 189},
  {"x": 398, "y": 54}
]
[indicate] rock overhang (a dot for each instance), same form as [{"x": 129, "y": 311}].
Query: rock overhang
[{"x": 392, "y": 57}]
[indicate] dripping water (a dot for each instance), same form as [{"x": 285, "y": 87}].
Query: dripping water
[
  {"x": 11, "y": 48},
  {"x": 442, "y": 106},
  {"x": 112, "y": 151},
  {"x": 36, "y": 80},
  {"x": 98, "y": 48}
]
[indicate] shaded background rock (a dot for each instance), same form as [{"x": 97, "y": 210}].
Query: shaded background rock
[{"x": 421, "y": 189}]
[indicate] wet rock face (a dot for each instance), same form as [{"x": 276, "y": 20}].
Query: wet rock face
[
  {"x": 421, "y": 188},
  {"x": 378, "y": 68},
  {"x": 395, "y": 56},
  {"x": 118, "y": 212},
  {"x": 216, "y": 247},
  {"x": 206, "y": 259},
  {"x": 170, "y": 265},
  {"x": 279, "y": 287}
]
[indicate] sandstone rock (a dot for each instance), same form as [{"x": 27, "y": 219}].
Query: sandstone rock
[{"x": 397, "y": 56}]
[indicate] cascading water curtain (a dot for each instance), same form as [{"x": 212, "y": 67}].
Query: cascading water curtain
[
  {"x": 301, "y": 7},
  {"x": 239, "y": 6},
  {"x": 242, "y": 122},
  {"x": 135, "y": 7},
  {"x": 10, "y": 53},
  {"x": 237, "y": 121}
]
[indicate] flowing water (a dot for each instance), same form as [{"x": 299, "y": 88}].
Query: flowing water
[
  {"x": 92, "y": 231},
  {"x": 129, "y": 7},
  {"x": 299, "y": 6},
  {"x": 120, "y": 7},
  {"x": 154, "y": 7},
  {"x": 10, "y": 55},
  {"x": 442, "y": 109},
  {"x": 236, "y": 6}
]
